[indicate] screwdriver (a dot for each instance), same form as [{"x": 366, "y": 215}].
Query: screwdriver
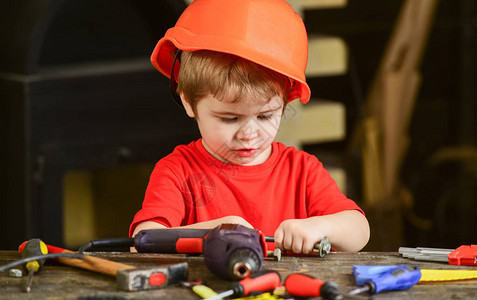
[
  {"x": 464, "y": 255},
  {"x": 260, "y": 282},
  {"x": 302, "y": 285},
  {"x": 33, "y": 247},
  {"x": 400, "y": 278},
  {"x": 199, "y": 288}
]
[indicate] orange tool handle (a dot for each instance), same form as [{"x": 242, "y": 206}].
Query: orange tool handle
[{"x": 303, "y": 285}]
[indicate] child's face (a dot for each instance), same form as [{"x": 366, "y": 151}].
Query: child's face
[{"x": 239, "y": 133}]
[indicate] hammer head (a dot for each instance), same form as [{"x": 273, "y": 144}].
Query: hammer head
[{"x": 150, "y": 278}]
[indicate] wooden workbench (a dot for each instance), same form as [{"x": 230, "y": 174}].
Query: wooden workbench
[{"x": 63, "y": 282}]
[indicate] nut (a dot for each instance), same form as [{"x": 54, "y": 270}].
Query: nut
[{"x": 16, "y": 273}]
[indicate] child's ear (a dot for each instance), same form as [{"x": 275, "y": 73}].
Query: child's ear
[{"x": 188, "y": 108}]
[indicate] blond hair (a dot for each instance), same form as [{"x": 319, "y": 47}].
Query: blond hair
[{"x": 228, "y": 77}]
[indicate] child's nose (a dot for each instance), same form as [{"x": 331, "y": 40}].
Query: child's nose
[{"x": 248, "y": 131}]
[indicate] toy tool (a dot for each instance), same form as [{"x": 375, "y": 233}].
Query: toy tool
[
  {"x": 128, "y": 278},
  {"x": 257, "y": 283},
  {"x": 464, "y": 255},
  {"x": 400, "y": 278},
  {"x": 32, "y": 248},
  {"x": 302, "y": 285}
]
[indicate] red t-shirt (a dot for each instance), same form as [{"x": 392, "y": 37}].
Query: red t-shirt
[{"x": 190, "y": 185}]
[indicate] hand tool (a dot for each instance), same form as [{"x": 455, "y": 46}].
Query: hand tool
[
  {"x": 128, "y": 278},
  {"x": 139, "y": 279},
  {"x": 231, "y": 251},
  {"x": 22, "y": 261},
  {"x": 276, "y": 254},
  {"x": 32, "y": 248},
  {"x": 463, "y": 255},
  {"x": 199, "y": 288},
  {"x": 259, "y": 282},
  {"x": 365, "y": 273},
  {"x": 303, "y": 285},
  {"x": 323, "y": 247},
  {"x": 400, "y": 278}
]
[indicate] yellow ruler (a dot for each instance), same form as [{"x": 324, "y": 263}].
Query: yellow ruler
[{"x": 446, "y": 275}]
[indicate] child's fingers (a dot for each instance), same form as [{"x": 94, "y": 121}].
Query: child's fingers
[
  {"x": 278, "y": 237},
  {"x": 297, "y": 246},
  {"x": 288, "y": 241},
  {"x": 308, "y": 245}
]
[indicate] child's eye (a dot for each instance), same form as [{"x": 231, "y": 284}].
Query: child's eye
[
  {"x": 265, "y": 117},
  {"x": 228, "y": 120}
]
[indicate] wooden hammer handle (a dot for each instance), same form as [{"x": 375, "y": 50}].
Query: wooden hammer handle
[{"x": 89, "y": 262}]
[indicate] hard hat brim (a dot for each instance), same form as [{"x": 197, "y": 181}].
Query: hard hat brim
[{"x": 162, "y": 58}]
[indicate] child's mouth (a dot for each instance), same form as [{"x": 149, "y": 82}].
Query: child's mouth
[{"x": 245, "y": 152}]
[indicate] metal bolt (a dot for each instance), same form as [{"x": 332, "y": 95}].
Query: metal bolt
[
  {"x": 277, "y": 254},
  {"x": 16, "y": 273},
  {"x": 323, "y": 248}
]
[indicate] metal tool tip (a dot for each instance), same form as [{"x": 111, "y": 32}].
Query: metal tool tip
[{"x": 359, "y": 290}]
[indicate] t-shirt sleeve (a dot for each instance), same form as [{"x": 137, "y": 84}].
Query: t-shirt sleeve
[
  {"x": 323, "y": 194},
  {"x": 163, "y": 201}
]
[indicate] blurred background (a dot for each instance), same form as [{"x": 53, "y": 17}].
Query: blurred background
[{"x": 85, "y": 116}]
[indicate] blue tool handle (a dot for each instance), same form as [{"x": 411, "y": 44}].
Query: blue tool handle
[
  {"x": 400, "y": 278},
  {"x": 363, "y": 274}
]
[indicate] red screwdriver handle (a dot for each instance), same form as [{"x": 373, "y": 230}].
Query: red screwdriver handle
[
  {"x": 261, "y": 283},
  {"x": 303, "y": 285}
]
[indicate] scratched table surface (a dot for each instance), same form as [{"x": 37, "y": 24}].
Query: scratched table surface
[{"x": 64, "y": 282}]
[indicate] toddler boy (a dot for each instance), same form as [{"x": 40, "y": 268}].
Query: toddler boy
[{"x": 234, "y": 65}]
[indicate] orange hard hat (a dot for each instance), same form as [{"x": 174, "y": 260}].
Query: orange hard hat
[{"x": 266, "y": 32}]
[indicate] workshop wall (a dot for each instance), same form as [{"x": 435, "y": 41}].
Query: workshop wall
[
  {"x": 101, "y": 203},
  {"x": 439, "y": 171},
  {"x": 80, "y": 95}
]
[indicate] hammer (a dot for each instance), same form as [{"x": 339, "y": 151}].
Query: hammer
[{"x": 128, "y": 277}]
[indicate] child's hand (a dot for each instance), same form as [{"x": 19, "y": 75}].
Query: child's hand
[
  {"x": 346, "y": 230},
  {"x": 298, "y": 235}
]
